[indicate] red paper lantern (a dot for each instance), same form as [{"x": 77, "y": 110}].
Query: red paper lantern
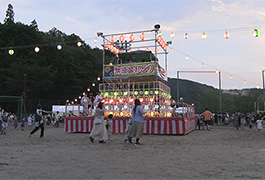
[
  {"x": 226, "y": 35},
  {"x": 159, "y": 38},
  {"x": 111, "y": 39},
  {"x": 142, "y": 36},
  {"x": 156, "y": 50},
  {"x": 132, "y": 37},
  {"x": 121, "y": 38}
]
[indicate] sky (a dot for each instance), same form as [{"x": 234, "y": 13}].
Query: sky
[{"x": 240, "y": 58}]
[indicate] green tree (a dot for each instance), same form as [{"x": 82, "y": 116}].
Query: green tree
[
  {"x": 9, "y": 14},
  {"x": 34, "y": 25}
]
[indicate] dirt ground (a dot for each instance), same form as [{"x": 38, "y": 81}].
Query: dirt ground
[{"x": 223, "y": 153}]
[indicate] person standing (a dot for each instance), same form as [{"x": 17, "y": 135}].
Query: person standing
[
  {"x": 15, "y": 123},
  {"x": 85, "y": 101},
  {"x": 29, "y": 121},
  {"x": 99, "y": 130},
  {"x": 207, "y": 118},
  {"x": 39, "y": 121},
  {"x": 4, "y": 123},
  {"x": 108, "y": 124},
  {"x": 98, "y": 99},
  {"x": 23, "y": 121},
  {"x": 137, "y": 122},
  {"x": 174, "y": 106}
]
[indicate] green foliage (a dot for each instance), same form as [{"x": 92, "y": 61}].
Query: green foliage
[
  {"x": 51, "y": 73},
  {"x": 9, "y": 15}
]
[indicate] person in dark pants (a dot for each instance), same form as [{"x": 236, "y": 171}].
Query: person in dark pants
[{"x": 39, "y": 121}]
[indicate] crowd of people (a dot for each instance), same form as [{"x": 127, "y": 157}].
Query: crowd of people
[{"x": 238, "y": 120}]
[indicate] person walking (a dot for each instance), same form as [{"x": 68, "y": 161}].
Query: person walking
[
  {"x": 39, "y": 121},
  {"x": 207, "y": 119},
  {"x": 99, "y": 131},
  {"x": 137, "y": 122}
]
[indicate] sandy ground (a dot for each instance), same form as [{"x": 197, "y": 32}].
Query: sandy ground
[{"x": 223, "y": 153}]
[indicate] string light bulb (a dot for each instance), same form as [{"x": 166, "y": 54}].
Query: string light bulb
[
  {"x": 142, "y": 36},
  {"x": 171, "y": 49},
  {"x": 244, "y": 81},
  {"x": 95, "y": 40},
  {"x": 187, "y": 57},
  {"x": 111, "y": 39}
]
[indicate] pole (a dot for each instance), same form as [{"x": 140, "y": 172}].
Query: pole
[
  {"x": 177, "y": 86},
  {"x": 220, "y": 93}
]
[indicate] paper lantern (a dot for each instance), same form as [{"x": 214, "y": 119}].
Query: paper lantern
[
  {"x": 37, "y": 49},
  {"x": 121, "y": 38},
  {"x": 172, "y": 35},
  {"x": 186, "y": 36},
  {"x": 204, "y": 36},
  {"x": 11, "y": 52},
  {"x": 255, "y": 33},
  {"x": 111, "y": 39},
  {"x": 132, "y": 37},
  {"x": 79, "y": 44},
  {"x": 59, "y": 47},
  {"x": 226, "y": 35},
  {"x": 142, "y": 36},
  {"x": 146, "y": 49}
]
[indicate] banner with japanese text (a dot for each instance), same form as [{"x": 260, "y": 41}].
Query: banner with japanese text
[{"x": 130, "y": 70}]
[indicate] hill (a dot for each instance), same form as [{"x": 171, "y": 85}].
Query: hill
[{"x": 204, "y": 96}]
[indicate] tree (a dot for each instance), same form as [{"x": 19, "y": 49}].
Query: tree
[
  {"x": 9, "y": 15},
  {"x": 34, "y": 25}
]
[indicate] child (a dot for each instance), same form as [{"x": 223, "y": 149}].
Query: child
[
  {"x": 128, "y": 130},
  {"x": 15, "y": 123},
  {"x": 259, "y": 124},
  {"x": 23, "y": 123},
  {"x": 108, "y": 124},
  {"x": 29, "y": 122}
]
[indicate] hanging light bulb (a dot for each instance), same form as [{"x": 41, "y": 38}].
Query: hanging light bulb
[
  {"x": 244, "y": 81},
  {"x": 255, "y": 33},
  {"x": 88, "y": 89},
  {"x": 98, "y": 78},
  {"x": 79, "y": 44},
  {"x": 231, "y": 77},
  {"x": 37, "y": 49},
  {"x": 132, "y": 37},
  {"x": 172, "y": 35},
  {"x": 187, "y": 57},
  {"x": 95, "y": 40},
  {"x": 59, "y": 47},
  {"x": 160, "y": 33},
  {"x": 93, "y": 84},
  {"x": 186, "y": 36},
  {"x": 11, "y": 52},
  {"x": 146, "y": 49},
  {"x": 202, "y": 64},
  {"x": 226, "y": 35},
  {"x": 217, "y": 71},
  {"x": 258, "y": 87},
  {"x": 171, "y": 49},
  {"x": 110, "y": 64},
  {"x": 204, "y": 36}
]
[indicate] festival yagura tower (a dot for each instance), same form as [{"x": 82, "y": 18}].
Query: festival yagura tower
[{"x": 135, "y": 73}]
